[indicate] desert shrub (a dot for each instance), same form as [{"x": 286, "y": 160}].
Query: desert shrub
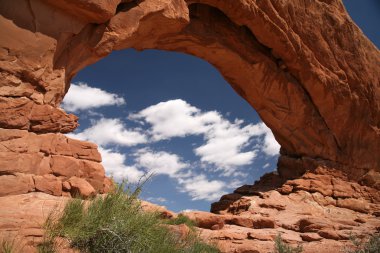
[
  {"x": 116, "y": 223},
  {"x": 7, "y": 246},
  {"x": 181, "y": 219},
  {"x": 370, "y": 245},
  {"x": 281, "y": 247}
]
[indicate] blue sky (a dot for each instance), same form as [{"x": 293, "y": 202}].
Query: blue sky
[{"x": 174, "y": 115}]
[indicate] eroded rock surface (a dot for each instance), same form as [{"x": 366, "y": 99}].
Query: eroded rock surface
[
  {"x": 304, "y": 66},
  {"x": 22, "y": 218},
  {"x": 320, "y": 211},
  {"x": 319, "y": 218},
  {"x": 47, "y": 162}
]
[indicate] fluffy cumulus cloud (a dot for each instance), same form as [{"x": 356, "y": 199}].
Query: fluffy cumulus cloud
[
  {"x": 175, "y": 118},
  {"x": 227, "y": 145},
  {"x": 82, "y": 97},
  {"x": 225, "y": 141},
  {"x": 160, "y": 162},
  {"x": 224, "y": 144},
  {"x": 271, "y": 146},
  {"x": 111, "y": 131},
  {"x": 201, "y": 188},
  {"x": 115, "y": 166}
]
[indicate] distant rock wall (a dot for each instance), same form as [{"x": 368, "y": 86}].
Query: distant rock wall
[{"x": 303, "y": 65}]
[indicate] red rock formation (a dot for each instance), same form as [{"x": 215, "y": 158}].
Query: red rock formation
[
  {"x": 44, "y": 162},
  {"x": 304, "y": 66},
  {"x": 312, "y": 77},
  {"x": 22, "y": 218},
  {"x": 321, "y": 219},
  {"x": 320, "y": 211}
]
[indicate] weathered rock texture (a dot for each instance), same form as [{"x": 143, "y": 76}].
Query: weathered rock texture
[
  {"x": 320, "y": 210},
  {"x": 304, "y": 66},
  {"x": 50, "y": 163},
  {"x": 22, "y": 218}
]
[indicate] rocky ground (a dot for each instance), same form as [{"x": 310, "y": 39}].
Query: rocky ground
[{"x": 320, "y": 210}]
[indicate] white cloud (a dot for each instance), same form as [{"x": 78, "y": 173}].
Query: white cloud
[
  {"x": 81, "y": 97},
  {"x": 111, "y": 131},
  {"x": 161, "y": 163},
  {"x": 271, "y": 146},
  {"x": 114, "y": 164},
  {"x": 201, "y": 188},
  {"x": 175, "y": 118},
  {"x": 227, "y": 145},
  {"x": 224, "y": 144},
  {"x": 235, "y": 183},
  {"x": 225, "y": 140}
]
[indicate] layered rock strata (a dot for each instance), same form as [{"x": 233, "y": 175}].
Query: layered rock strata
[
  {"x": 321, "y": 211},
  {"x": 303, "y": 65},
  {"x": 50, "y": 163}
]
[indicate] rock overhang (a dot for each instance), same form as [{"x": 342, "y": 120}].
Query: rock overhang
[{"x": 309, "y": 72}]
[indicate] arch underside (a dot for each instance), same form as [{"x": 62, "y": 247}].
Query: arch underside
[{"x": 291, "y": 60}]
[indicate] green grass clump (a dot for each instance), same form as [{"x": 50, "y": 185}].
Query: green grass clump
[
  {"x": 371, "y": 245},
  {"x": 7, "y": 246},
  {"x": 116, "y": 223},
  {"x": 182, "y": 219},
  {"x": 281, "y": 247}
]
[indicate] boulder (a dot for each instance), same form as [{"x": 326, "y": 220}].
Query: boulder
[
  {"x": 17, "y": 183},
  {"x": 153, "y": 208},
  {"x": 48, "y": 184},
  {"x": 205, "y": 219},
  {"x": 358, "y": 205},
  {"x": 65, "y": 166},
  {"x": 310, "y": 237},
  {"x": 80, "y": 187},
  {"x": 311, "y": 224}
]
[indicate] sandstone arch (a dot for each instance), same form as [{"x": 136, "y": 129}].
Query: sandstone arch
[{"x": 303, "y": 65}]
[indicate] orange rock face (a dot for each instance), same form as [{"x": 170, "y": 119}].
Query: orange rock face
[
  {"x": 45, "y": 162},
  {"x": 22, "y": 218},
  {"x": 304, "y": 66},
  {"x": 313, "y": 78},
  {"x": 320, "y": 219}
]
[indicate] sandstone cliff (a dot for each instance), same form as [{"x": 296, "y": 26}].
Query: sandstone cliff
[{"x": 303, "y": 65}]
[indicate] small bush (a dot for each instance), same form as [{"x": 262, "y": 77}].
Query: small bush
[
  {"x": 371, "y": 245},
  {"x": 282, "y": 247},
  {"x": 116, "y": 223},
  {"x": 7, "y": 246}
]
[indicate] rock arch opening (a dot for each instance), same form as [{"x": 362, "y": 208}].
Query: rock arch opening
[
  {"x": 317, "y": 92},
  {"x": 304, "y": 66},
  {"x": 192, "y": 137}
]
